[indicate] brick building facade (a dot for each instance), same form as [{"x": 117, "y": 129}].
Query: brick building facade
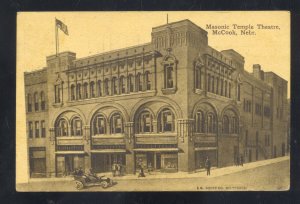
[{"x": 169, "y": 103}]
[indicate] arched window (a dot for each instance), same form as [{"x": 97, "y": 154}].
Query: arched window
[
  {"x": 92, "y": 89},
  {"x": 212, "y": 84},
  {"x": 199, "y": 122},
  {"x": 116, "y": 123},
  {"x": 139, "y": 82},
  {"x": 225, "y": 88},
  {"x": 239, "y": 92},
  {"x": 234, "y": 125},
  {"x": 211, "y": 123},
  {"x": 72, "y": 92},
  {"x": 114, "y": 86},
  {"x": 43, "y": 101},
  {"x": 76, "y": 127},
  {"x": 78, "y": 90},
  {"x": 145, "y": 122},
  {"x": 169, "y": 76},
  {"x": 106, "y": 87},
  {"x": 122, "y": 85},
  {"x": 130, "y": 83},
  {"x": 208, "y": 82},
  {"x": 99, "y": 88},
  {"x": 99, "y": 124},
  {"x": 226, "y": 124},
  {"x": 166, "y": 121},
  {"x": 148, "y": 80},
  {"x": 36, "y": 101},
  {"x": 85, "y": 90},
  {"x": 62, "y": 128},
  {"x": 229, "y": 89},
  {"x": 29, "y": 103},
  {"x": 198, "y": 77}
]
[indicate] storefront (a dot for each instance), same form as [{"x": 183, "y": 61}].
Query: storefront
[
  {"x": 201, "y": 154},
  {"x": 37, "y": 162},
  {"x": 102, "y": 162},
  {"x": 157, "y": 160},
  {"x": 67, "y": 163}
]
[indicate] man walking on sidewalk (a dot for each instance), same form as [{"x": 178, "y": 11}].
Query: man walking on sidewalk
[{"x": 207, "y": 166}]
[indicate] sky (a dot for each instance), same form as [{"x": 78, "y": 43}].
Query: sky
[{"x": 95, "y": 32}]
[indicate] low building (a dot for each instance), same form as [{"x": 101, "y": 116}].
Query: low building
[{"x": 168, "y": 104}]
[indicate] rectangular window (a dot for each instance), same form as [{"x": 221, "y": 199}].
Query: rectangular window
[
  {"x": 43, "y": 129},
  {"x": 37, "y": 129},
  {"x": 229, "y": 87},
  {"x": 57, "y": 93},
  {"x": 30, "y": 127},
  {"x": 239, "y": 92},
  {"x": 100, "y": 125}
]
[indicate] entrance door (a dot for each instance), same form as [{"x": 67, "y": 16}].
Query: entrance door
[
  {"x": 158, "y": 161},
  {"x": 150, "y": 159},
  {"x": 69, "y": 162}
]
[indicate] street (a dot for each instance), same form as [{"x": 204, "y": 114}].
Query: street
[{"x": 273, "y": 176}]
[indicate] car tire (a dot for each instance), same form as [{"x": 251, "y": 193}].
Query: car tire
[
  {"x": 79, "y": 185},
  {"x": 104, "y": 184}
]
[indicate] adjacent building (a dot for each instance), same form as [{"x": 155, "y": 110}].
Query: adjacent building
[{"x": 168, "y": 104}]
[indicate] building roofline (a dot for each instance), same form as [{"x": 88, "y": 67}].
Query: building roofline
[
  {"x": 184, "y": 20},
  {"x": 112, "y": 51},
  {"x": 35, "y": 71},
  {"x": 270, "y": 72}
]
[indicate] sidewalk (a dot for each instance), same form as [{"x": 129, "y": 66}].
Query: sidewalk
[{"x": 215, "y": 172}]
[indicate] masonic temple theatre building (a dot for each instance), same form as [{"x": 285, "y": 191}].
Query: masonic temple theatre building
[{"x": 169, "y": 104}]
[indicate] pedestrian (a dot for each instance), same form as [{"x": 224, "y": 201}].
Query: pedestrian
[
  {"x": 207, "y": 166},
  {"x": 150, "y": 168},
  {"x": 113, "y": 169},
  {"x": 237, "y": 160},
  {"x": 242, "y": 160},
  {"x": 118, "y": 169},
  {"x": 141, "y": 174}
]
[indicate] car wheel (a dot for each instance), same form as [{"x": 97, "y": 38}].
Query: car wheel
[
  {"x": 79, "y": 185},
  {"x": 104, "y": 184}
]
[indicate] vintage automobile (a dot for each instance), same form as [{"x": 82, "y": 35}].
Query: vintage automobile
[{"x": 84, "y": 180}]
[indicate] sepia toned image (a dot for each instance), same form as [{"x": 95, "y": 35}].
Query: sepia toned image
[{"x": 153, "y": 101}]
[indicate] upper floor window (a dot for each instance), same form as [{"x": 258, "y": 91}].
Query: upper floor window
[
  {"x": 62, "y": 128},
  {"x": 106, "y": 87},
  {"x": 36, "y": 101},
  {"x": 229, "y": 89},
  {"x": 92, "y": 89},
  {"x": 139, "y": 82},
  {"x": 116, "y": 123},
  {"x": 43, "y": 101},
  {"x": 57, "y": 90},
  {"x": 37, "y": 129},
  {"x": 234, "y": 125},
  {"x": 267, "y": 111},
  {"x": 122, "y": 85},
  {"x": 217, "y": 86},
  {"x": 225, "y": 88},
  {"x": 258, "y": 108},
  {"x": 239, "y": 92},
  {"x": 29, "y": 103},
  {"x": 169, "y": 75},
  {"x": 211, "y": 123},
  {"x": 78, "y": 90},
  {"x": 166, "y": 121},
  {"x": 72, "y": 92},
  {"x": 85, "y": 90},
  {"x": 148, "y": 80},
  {"x": 222, "y": 87},
  {"x": 145, "y": 122},
  {"x": 199, "y": 122},
  {"x": 99, "y": 88},
  {"x": 226, "y": 124},
  {"x": 198, "y": 77},
  {"x": 114, "y": 86},
  {"x": 212, "y": 84},
  {"x": 130, "y": 83},
  {"x": 43, "y": 129},
  {"x": 76, "y": 127},
  {"x": 30, "y": 127},
  {"x": 99, "y": 125}
]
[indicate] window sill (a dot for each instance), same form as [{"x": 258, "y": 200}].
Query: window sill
[
  {"x": 57, "y": 105},
  {"x": 68, "y": 137},
  {"x": 169, "y": 91},
  {"x": 119, "y": 135}
]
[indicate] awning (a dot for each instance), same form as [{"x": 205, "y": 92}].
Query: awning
[
  {"x": 156, "y": 150},
  {"x": 70, "y": 152},
  {"x": 109, "y": 151},
  {"x": 205, "y": 148}
]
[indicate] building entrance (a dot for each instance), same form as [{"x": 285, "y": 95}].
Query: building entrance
[
  {"x": 103, "y": 162},
  {"x": 200, "y": 158},
  {"x": 66, "y": 164}
]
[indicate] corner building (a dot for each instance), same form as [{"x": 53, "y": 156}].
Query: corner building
[{"x": 169, "y": 103}]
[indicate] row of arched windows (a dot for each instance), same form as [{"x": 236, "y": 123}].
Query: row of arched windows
[
  {"x": 38, "y": 101},
  {"x": 165, "y": 123},
  {"x": 208, "y": 123},
  {"x": 122, "y": 85}
]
